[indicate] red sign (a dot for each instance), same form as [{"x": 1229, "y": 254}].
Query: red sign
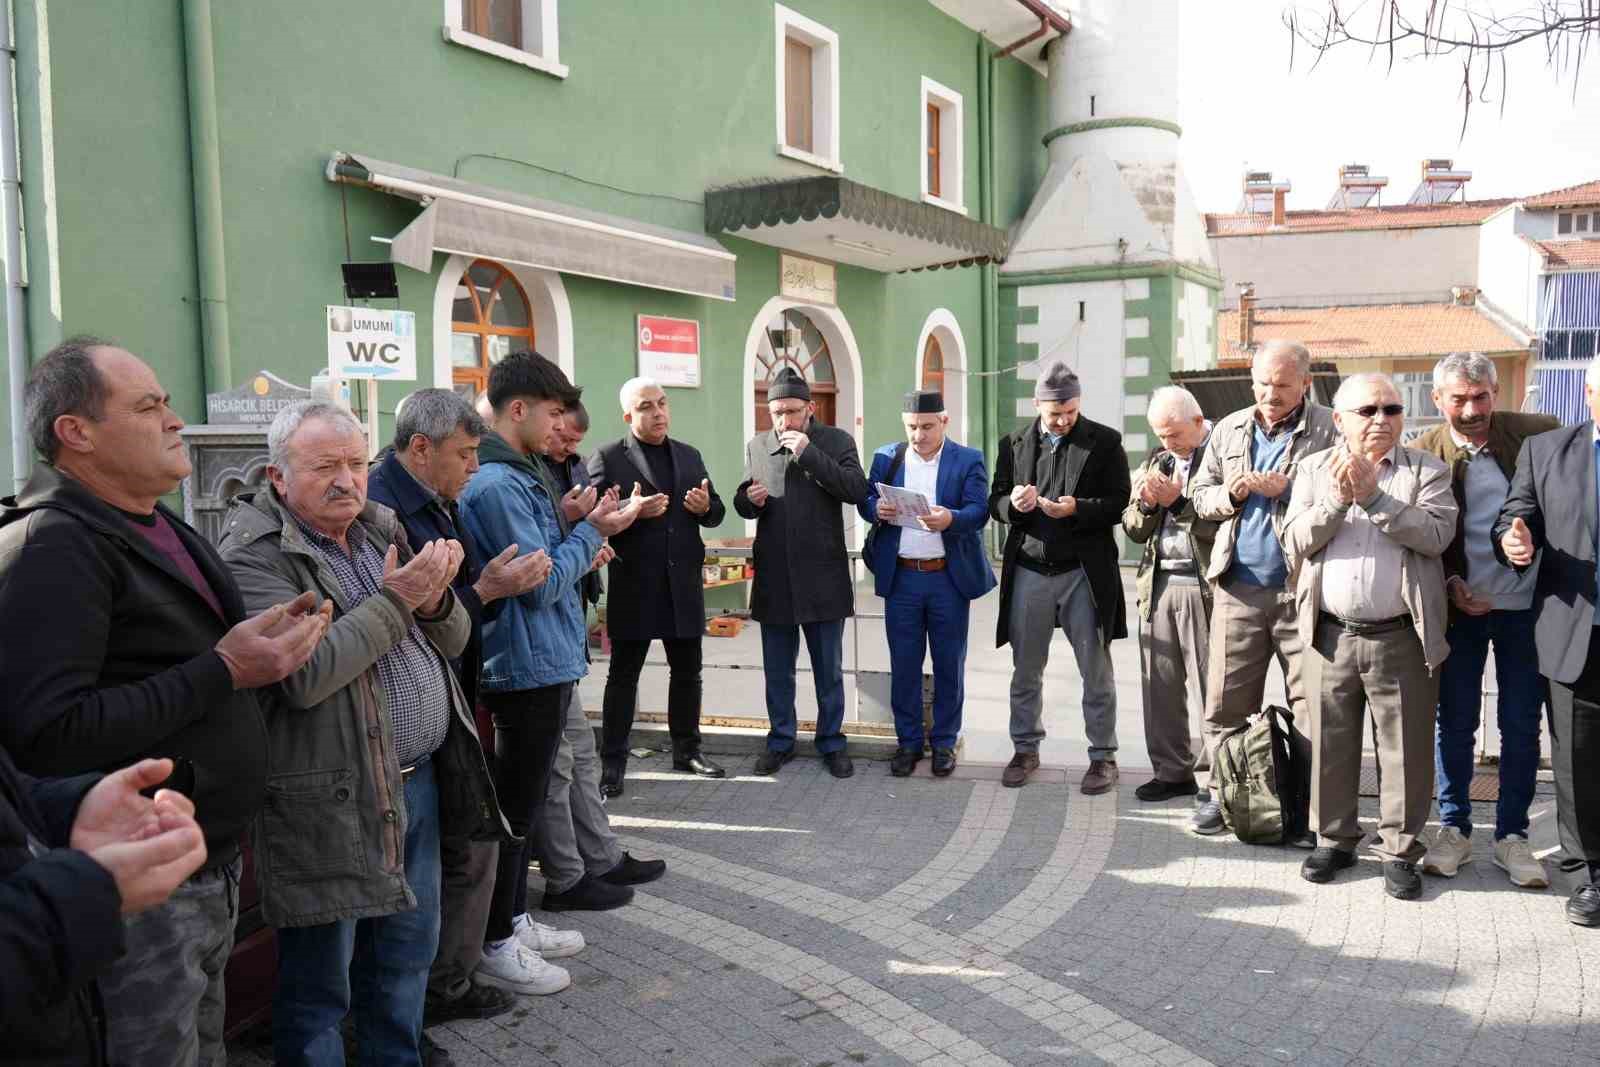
[{"x": 669, "y": 350}]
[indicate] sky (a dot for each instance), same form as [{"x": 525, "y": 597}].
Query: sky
[{"x": 1241, "y": 106}]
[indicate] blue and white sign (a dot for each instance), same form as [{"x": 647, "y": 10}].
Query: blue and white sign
[{"x": 370, "y": 343}]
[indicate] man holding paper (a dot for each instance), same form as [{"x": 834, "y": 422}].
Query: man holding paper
[{"x": 929, "y": 496}]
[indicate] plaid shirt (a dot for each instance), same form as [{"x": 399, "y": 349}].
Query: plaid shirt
[{"x": 414, "y": 685}]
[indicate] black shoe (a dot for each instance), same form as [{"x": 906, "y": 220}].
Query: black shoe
[
  {"x": 630, "y": 871},
  {"x": 1305, "y": 839},
  {"x": 1584, "y": 907},
  {"x": 590, "y": 894},
  {"x": 611, "y": 779},
  {"x": 478, "y": 1002},
  {"x": 839, "y": 763},
  {"x": 1207, "y": 819},
  {"x": 1155, "y": 789},
  {"x": 694, "y": 763},
  {"x": 1325, "y": 862},
  {"x": 944, "y": 761},
  {"x": 1202, "y": 796},
  {"x": 904, "y": 761},
  {"x": 434, "y": 1056},
  {"x": 1401, "y": 880},
  {"x": 770, "y": 760}
]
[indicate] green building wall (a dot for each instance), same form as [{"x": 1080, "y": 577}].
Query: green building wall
[{"x": 662, "y": 102}]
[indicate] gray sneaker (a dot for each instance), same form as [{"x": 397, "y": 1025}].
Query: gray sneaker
[{"x": 1207, "y": 818}]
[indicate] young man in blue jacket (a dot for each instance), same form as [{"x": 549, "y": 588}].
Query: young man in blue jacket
[
  {"x": 928, "y": 573},
  {"x": 534, "y": 649}
]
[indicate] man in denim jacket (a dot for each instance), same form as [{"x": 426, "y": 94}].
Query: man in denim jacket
[{"x": 534, "y": 650}]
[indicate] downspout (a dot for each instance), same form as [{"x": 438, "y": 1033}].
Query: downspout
[
  {"x": 205, "y": 158},
  {"x": 987, "y": 360},
  {"x": 11, "y": 221}
]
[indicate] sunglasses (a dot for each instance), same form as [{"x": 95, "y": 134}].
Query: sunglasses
[{"x": 1367, "y": 411}]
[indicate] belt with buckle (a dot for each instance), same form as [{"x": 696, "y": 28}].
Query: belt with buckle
[
  {"x": 406, "y": 773},
  {"x": 1368, "y": 627},
  {"x": 921, "y": 564},
  {"x": 1176, "y": 566}
]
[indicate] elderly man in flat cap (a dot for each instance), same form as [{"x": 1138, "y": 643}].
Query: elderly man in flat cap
[
  {"x": 928, "y": 571},
  {"x": 1061, "y": 483},
  {"x": 798, "y": 476}
]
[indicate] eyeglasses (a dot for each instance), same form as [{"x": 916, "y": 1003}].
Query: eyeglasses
[{"x": 1367, "y": 411}]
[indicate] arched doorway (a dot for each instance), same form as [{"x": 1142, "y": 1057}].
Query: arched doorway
[
  {"x": 792, "y": 339},
  {"x": 490, "y": 318},
  {"x": 549, "y": 315},
  {"x": 942, "y": 365}
]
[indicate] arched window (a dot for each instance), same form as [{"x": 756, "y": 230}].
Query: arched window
[
  {"x": 489, "y": 320},
  {"x": 932, "y": 365},
  {"x": 792, "y": 339}
]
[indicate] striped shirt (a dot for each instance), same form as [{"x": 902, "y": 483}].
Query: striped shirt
[{"x": 414, "y": 685}]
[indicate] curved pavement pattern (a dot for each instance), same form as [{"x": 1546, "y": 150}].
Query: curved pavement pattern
[{"x": 807, "y": 922}]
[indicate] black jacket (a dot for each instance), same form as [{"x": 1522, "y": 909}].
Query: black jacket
[
  {"x": 568, "y": 473},
  {"x": 1097, "y": 476},
  {"x": 656, "y": 588},
  {"x": 106, "y": 655},
  {"x": 60, "y": 925},
  {"x": 426, "y": 519},
  {"x": 802, "y": 569}
]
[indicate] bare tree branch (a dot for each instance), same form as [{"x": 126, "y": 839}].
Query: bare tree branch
[{"x": 1432, "y": 28}]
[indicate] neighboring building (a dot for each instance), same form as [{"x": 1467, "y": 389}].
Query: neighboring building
[
  {"x": 1561, "y": 272},
  {"x": 543, "y": 174},
  {"x": 1375, "y": 287}
]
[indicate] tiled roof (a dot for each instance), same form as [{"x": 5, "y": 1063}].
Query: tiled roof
[
  {"x": 1389, "y": 217},
  {"x": 1388, "y": 331},
  {"x": 1585, "y": 195},
  {"x": 1571, "y": 255}
]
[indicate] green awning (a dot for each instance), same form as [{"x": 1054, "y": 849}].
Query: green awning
[{"x": 841, "y": 220}]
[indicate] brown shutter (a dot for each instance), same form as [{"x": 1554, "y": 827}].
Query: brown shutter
[
  {"x": 933, "y": 149},
  {"x": 797, "y": 94}
]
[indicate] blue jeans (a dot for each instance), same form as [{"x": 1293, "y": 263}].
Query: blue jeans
[
  {"x": 378, "y": 967},
  {"x": 780, "y": 645},
  {"x": 925, "y": 613},
  {"x": 1460, "y": 701}
]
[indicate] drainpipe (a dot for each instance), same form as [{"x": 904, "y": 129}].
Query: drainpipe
[
  {"x": 205, "y": 158},
  {"x": 11, "y": 221},
  {"x": 989, "y": 360}
]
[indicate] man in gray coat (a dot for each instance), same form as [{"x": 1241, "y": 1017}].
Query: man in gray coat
[
  {"x": 798, "y": 475},
  {"x": 372, "y": 752}
]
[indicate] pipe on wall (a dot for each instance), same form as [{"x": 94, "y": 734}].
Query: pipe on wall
[
  {"x": 16, "y": 308},
  {"x": 205, "y": 159}
]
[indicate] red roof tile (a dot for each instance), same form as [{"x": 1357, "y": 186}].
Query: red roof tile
[
  {"x": 1571, "y": 255},
  {"x": 1388, "y": 331},
  {"x": 1388, "y": 217},
  {"x": 1585, "y": 195}
]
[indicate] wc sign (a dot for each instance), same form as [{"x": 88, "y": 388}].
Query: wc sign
[{"x": 369, "y": 343}]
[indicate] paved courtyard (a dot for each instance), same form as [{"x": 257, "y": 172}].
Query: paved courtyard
[{"x": 806, "y": 922}]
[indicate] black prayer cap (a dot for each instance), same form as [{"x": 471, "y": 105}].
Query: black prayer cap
[
  {"x": 788, "y": 383},
  {"x": 923, "y": 402}
]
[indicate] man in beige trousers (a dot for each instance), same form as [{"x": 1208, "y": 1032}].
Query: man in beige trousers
[
  {"x": 1243, "y": 485},
  {"x": 1367, "y": 523}
]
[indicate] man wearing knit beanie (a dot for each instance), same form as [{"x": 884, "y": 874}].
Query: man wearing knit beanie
[{"x": 1061, "y": 483}]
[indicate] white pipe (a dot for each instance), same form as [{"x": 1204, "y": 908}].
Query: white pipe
[{"x": 11, "y": 223}]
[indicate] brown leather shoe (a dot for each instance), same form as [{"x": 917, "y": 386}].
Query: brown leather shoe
[
  {"x": 1017, "y": 771},
  {"x": 1100, "y": 778}
]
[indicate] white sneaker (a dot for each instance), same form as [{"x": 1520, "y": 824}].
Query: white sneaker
[
  {"x": 1450, "y": 849},
  {"x": 513, "y": 967},
  {"x": 1512, "y": 855},
  {"x": 547, "y": 941}
]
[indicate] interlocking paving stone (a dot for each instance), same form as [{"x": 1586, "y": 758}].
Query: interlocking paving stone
[{"x": 806, "y": 921}]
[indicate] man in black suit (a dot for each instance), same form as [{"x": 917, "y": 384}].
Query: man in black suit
[
  {"x": 656, "y": 592},
  {"x": 1550, "y": 510}
]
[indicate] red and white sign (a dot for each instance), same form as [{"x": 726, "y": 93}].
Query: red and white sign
[{"x": 669, "y": 350}]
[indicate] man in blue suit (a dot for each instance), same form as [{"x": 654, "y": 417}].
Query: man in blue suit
[{"x": 928, "y": 573}]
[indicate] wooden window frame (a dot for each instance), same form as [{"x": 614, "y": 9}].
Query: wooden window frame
[
  {"x": 482, "y": 328},
  {"x": 825, "y": 106},
  {"x": 941, "y": 139},
  {"x": 538, "y": 44},
  {"x": 932, "y": 118}
]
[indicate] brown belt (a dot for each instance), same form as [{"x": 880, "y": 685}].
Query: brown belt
[{"x": 922, "y": 564}]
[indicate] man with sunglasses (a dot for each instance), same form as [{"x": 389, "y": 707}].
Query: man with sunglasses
[
  {"x": 1368, "y": 520},
  {"x": 1489, "y": 602}
]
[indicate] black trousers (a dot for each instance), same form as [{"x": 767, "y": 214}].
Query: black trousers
[
  {"x": 622, "y": 696},
  {"x": 527, "y": 735},
  {"x": 1574, "y": 755}
]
